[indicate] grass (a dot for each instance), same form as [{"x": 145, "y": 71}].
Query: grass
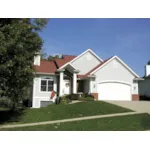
[
  {"x": 136, "y": 122},
  {"x": 56, "y": 112}
]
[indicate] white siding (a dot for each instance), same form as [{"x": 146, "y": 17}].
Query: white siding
[
  {"x": 135, "y": 88},
  {"x": 114, "y": 71},
  {"x": 144, "y": 87},
  {"x": 39, "y": 95},
  {"x": 86, "y": 62}
]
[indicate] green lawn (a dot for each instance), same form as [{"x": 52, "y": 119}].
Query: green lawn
[
  {"x": 136, "y": 122},
  {"x": 55, "y": 112}
]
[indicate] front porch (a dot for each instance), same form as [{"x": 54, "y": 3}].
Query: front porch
[{"x": 69, "y": 83}]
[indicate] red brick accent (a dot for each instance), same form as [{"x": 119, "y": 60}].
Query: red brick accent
[
  {"x": 95, "y": 95},
  {"x": 135, "y": 97}
]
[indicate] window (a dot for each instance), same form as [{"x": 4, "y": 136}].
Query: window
[{"x": 47, "y": 84}]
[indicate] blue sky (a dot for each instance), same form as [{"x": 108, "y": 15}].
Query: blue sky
[{"x": 127, "y": 38}]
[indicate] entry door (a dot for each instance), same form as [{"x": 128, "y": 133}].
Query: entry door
[{"x": 66, "y": 87}]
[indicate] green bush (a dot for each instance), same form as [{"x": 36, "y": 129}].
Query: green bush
[
  {"x": 87, "y": 98},
  {"x": 64, "y": 100},
  {"x": 86, "y": 95},
  {"x": 73, "y": 96},
  {"x": 5, "y": 102},
  {"x": 68, "y": 98}
]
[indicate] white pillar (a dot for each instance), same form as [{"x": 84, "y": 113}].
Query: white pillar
[
  {"x": 61, "y": 79},
  {"x": 74, "y": 83},
  {"x": 90, "y": 85}
]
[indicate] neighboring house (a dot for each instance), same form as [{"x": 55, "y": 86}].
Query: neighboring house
[
  {"x": 144, "y": 85},
  {"x": 109, "y": 79}
]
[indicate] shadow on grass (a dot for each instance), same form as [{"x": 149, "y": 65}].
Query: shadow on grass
[{"x": 10, "y": 116}]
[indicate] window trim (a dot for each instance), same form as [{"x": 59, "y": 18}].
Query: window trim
[{"x": 46, "y": 79}]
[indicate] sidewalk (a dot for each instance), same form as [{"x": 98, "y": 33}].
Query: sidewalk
[{"x": 68, "y": 120}]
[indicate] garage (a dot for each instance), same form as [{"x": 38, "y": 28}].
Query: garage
[{"x": 114, "y": 91}]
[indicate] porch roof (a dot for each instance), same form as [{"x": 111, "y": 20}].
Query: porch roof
[
  {"x": 70, "y": 68},
  {"x": 62, "y": 61}
]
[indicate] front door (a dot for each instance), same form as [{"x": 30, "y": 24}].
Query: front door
[{"x": 66, "y": 87}]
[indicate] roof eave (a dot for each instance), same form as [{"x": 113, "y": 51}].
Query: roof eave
[
  {"x": 138, "y": 79},
  {"x": 46, "y": 73}
]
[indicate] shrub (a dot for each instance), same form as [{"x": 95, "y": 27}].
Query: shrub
[
  {"x": 5, "y": 102},
  {"x": 86, "y": 95},
  {"x": 64, "y": 100},
  {"x": 86, "y": 99},
  {"x": 26, "y": 103},
  {"x": 68, "y": 96},
  {"x": 73, "y": 96}
]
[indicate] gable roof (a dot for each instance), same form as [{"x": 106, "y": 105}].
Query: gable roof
[
  {"x": 61, "y": 61},
  {"x": 103, "y": 64},
  {"x": 88, "y": 50},
  {"x": 116, "y": 57},
  {"x": 46, "y": 66},
  {"x": 83, "y": 76}
]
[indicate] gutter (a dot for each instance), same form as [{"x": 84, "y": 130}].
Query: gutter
[{"x": 45, "y": 73}]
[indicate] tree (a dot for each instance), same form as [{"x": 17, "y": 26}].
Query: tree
[
  {"x": 43, "y": 55},
  {"x": 50, "y": 57},
  {"x": 148, "y": 62},
  {"x": 19, "y": 43}
]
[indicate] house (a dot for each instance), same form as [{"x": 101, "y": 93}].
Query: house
[
  {"x": 144, "y": 85},
  {"x": 109, "y": 79}
]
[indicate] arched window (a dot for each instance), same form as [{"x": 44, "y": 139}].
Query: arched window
[{"x": 47, "y": 84}]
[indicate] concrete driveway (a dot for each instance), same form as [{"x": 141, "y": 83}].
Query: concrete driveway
[{"x": 138, "y": 106}]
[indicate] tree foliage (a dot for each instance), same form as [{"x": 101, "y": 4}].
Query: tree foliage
[
  {"x": 19, "y": 43},
  {"x": 45, "y": 56},
  {"x": 50, "y": 57},
  {"x": 148, "y": 62}
]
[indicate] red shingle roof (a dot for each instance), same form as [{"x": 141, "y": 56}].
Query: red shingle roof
[
  {"x": 46, "y": 66},
  {"x": 61, "y": 61},
  {"x": 83, "y": 76},
  {"x": 80, "y": 76}
]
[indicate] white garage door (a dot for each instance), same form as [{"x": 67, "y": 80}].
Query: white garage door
[{"x": 114, "y": 91}]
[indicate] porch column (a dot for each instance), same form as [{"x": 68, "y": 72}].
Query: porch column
[
  {"x": 61, "y": 79},
  {"x": 90, "y": 85},
  {"x": 74, "y": 82},
  {"x": 91, "y": 79}
]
